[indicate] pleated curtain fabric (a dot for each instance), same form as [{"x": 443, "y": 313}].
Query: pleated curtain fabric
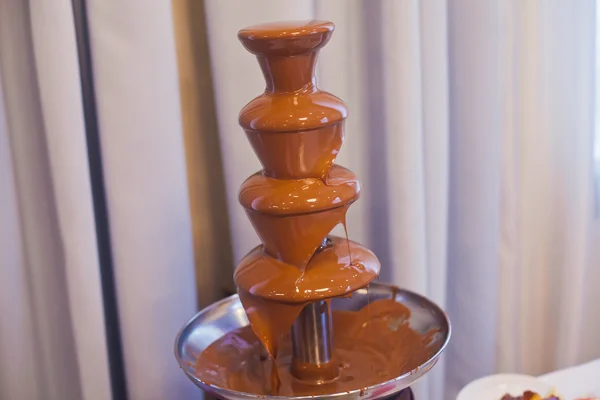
[
  {"x": 549, "y": 244},
  {"x": 56, "y": 66},
  {"x": 53, "y": 334},
  {"x": 139, "y": 117},
  {"x": 52, "y": 319}
]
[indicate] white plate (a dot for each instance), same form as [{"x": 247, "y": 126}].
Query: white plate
[{"x": 493, "y": 387}]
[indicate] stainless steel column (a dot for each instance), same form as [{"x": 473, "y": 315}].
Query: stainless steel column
[
  {"x": 311, "y": 334},
  {"x": 312, "y": 341}
]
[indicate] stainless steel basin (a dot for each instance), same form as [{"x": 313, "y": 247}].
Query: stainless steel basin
[{"x": 228, "y": 314}]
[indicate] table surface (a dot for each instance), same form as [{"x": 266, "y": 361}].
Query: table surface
[{"x": 579, "y": 381}]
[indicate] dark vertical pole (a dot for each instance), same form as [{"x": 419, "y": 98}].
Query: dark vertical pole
[{"x": 111, "y": 316}]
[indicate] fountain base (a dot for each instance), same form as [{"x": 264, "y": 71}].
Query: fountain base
[{"x": 228, "y": 314}]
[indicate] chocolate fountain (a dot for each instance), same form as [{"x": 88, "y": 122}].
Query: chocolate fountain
[{"x": 307, "y": 321}]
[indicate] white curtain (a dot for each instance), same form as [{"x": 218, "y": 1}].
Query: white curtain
[
  {"x": 523, "y": 242},
  {"x": 471, "y": 127},
  {"x": 53, "y": 342}
]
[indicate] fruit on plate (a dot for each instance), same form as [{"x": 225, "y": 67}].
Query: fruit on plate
[{"x": 528, "y": 395}]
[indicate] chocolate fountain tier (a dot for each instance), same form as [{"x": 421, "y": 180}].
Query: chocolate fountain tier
[
  {"x": 212, "y": 323},
  {"x": 293, "y": 216},
  {"x": 272, "y": 196},
  {"x": 330, "y": 273}
]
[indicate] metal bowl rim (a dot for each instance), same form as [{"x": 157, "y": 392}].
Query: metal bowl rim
[{"x": 212, "y": 388}]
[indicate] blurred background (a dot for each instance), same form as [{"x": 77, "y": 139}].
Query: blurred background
[{"x": 473, "y": 128}]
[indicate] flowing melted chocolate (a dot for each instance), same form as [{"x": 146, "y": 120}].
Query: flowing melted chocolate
[
  {"x": 296, "y": 130},
  {"x": 372, "y": 345}
]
